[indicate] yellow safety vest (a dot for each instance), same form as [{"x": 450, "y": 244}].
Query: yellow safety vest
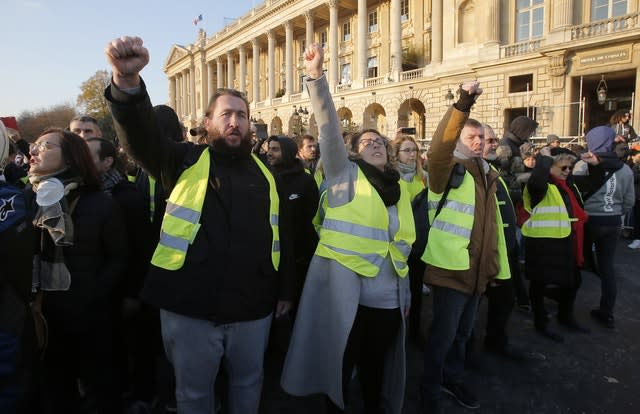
[
  {"x": 323, "y": 204},
  {"x": 181, "y": 220},
  {"x": 414, "y": 186},
  {"x": 152, "y": 193},
  {"x": 356, "y": 234},
  {"x": 450, "y": 232},
  {"x": 549, "y": 218}
]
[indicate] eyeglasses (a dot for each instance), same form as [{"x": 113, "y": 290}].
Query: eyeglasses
[
  {"x": 565, "y": 167},
  {"x": 369, "y": 142},
  {"x": 41, "y": 146},
  {"x": 409, "y": 150}
]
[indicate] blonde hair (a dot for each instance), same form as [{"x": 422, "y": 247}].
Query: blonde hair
[{"x": 397, "y": 143}]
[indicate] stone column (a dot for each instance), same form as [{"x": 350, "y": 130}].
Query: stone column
[
  {"x": 562, "y": 14},
  {"x": 185, "y": 94},
  {"x": 362, "y": 50},
  {"x": 242, "y": 52},
  {"x": 256, "y": 70},
  {"x": 210, "y": 81},
  {"x": 192, "y": 87},
  {"x": 396, "y": 39},
  {"x": 271, "y": 70},
  {"x": 333, "y": 43},
  {"x": 172, "y": 92},
  {"x": 436, "y": 31},
  {"x": 492, "y": 22},
  {"x": 231, "y": 70},
  {"x": 308, "y": 18},
  {"x": 288, "y": 57},
  {"x": 204, "y": 82},
  {"x": 219, "y": 75}
]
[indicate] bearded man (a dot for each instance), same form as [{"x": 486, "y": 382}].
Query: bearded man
[{"x": 222, "y": 267}]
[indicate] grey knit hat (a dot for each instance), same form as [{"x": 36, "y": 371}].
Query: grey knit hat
[{"x": 552, "y": 138}]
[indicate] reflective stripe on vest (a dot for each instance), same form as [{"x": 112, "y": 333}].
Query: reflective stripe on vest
[
  {"x": 181, "y": 220},
  {"x": 549, "y": 218},
  {"x": 450, "y": 233},
  {"x": 356, "y": 234}
]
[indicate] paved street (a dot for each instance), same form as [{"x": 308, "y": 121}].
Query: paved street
[{"x": 594, "y": 373}]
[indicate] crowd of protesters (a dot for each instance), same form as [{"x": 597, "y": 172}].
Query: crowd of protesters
[{"x": 157, "y": 257}]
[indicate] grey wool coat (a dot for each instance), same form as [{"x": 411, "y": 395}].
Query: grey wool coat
[{"x": 331, "y": 292}]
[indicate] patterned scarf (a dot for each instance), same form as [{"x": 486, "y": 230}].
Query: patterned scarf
[{"x": 55, "y": 205}]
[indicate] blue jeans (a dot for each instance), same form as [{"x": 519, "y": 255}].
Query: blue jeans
[
  {"x": 605, "y": 239},
  {"x": 454, "y": 315},
  {"x": 196, "y": 348}
]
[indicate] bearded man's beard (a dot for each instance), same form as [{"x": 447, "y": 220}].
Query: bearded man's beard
[{"x": 219, "y": 144}]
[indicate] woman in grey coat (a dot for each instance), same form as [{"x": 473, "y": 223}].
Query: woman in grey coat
[{"x": 353, "y": 318}]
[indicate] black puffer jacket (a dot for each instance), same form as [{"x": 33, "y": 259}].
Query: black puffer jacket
[{"x": 228, "y": 275}]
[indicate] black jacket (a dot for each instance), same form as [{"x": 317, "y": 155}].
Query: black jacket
[
  {"x": 549, "y": 260},
  {"x": 299, "y": 193},
  {"x": 228, "y": 275},
  {"x": 138, "y": 233},
  {"x": 96, "y": 261}
]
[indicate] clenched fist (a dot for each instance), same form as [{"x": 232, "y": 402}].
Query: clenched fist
[{"x": 127, "y": 56}]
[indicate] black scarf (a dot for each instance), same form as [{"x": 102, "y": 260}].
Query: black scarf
[{"x": 385, "y": 182}]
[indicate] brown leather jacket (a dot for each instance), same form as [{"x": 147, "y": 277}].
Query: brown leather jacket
[{"x": 483, "y": 248}]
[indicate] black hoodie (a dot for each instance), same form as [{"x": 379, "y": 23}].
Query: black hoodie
[{"x": 298, "y": 191}]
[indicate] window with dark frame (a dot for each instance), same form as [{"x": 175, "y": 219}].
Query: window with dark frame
[{"x": 521, "y": 83}]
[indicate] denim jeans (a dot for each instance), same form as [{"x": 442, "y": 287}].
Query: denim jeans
[
  {"x": 454, "y": 315},
  {"x": 196, "y": 348},
  {"x": 605, "y": 239}
]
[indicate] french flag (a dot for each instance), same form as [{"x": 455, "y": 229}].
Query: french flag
[{"x": 197, "y": 20}]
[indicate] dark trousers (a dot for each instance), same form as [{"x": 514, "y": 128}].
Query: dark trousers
[
  {"x": 372, "y": 335},
  {"x": 84, "y": 352},
  {"x": 565, "y": 296},
  {"x": 501, "y": 302},
  {"x": 454, "y": 315},
  {"x": 636, "y": 219},
  {"x": 416, "y": 273},
  {"x": 605, "y": 239},
  {"x": 139, "y": 348}
]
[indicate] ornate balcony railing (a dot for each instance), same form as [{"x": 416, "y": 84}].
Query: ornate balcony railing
[
  {"x": 412, "y": 74},
  {"x": 521, "y": 48},
  {"x": 602, "y": 27},
  {"x": 374, "y": 81}
]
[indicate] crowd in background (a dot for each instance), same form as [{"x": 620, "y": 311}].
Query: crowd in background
[{"x": 145, "y": 263}]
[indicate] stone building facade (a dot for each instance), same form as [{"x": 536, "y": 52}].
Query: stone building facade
[{"x": 398, "y": 63}]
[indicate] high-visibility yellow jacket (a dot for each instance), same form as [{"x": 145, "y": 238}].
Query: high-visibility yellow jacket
[
  {"x": 549, "y": 218},
  {"x": 450, "y": 232},
  {"x": 181, "y": 220},
  {"x": 356, "y": 234}
]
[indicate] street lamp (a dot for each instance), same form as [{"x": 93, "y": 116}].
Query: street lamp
[
  {"x": 601, "y": 90},
  {"x": 449, "y": 97}
]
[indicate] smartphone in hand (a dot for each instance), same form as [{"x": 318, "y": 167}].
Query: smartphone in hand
[{"x": 410, "y": 131}]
